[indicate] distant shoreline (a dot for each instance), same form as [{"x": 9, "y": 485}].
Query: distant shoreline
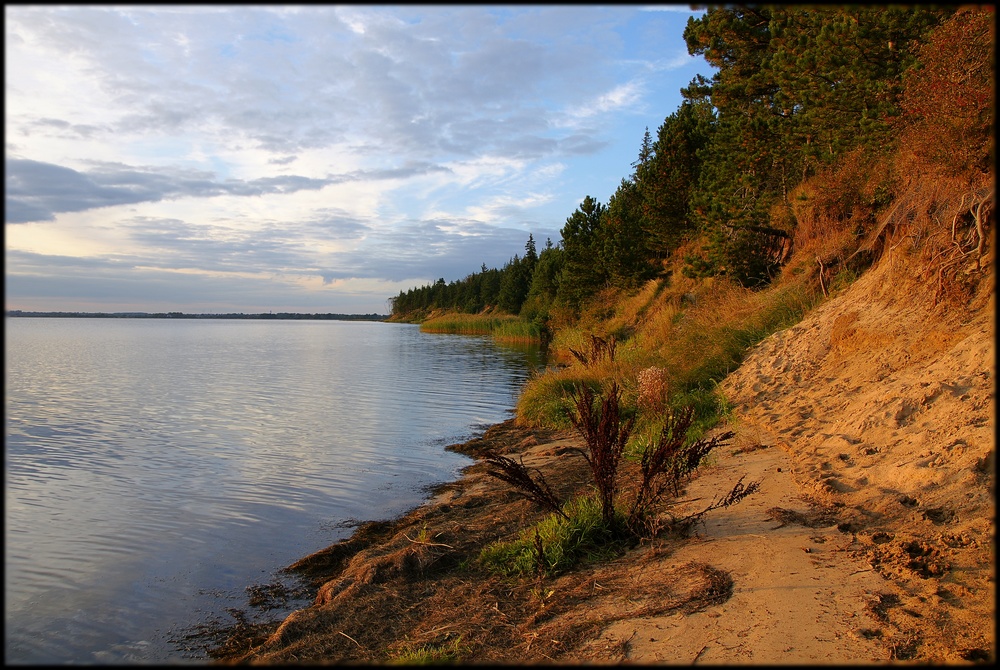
[{"x": 181, "y": 315}]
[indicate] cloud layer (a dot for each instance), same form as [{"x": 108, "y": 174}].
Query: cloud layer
[{"x": 311, "y": 158}]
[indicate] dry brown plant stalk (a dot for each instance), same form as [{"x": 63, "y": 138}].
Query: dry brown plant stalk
[
  {"x": 653, "y": 384},
  {"x": 516, "y": 474},
  {"x": 606, "y": 434},
  {"x": 599, "y": 349}
]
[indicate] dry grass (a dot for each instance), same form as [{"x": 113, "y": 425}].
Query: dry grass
[
  {"x": 937, "y": 240},
  {"x": 693, "y": 331},
  {"x": 835, "y": 207},
  {"x": 712, "y": 336}
]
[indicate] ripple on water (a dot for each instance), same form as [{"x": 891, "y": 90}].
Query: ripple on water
[{"x": 154, "y": 465}]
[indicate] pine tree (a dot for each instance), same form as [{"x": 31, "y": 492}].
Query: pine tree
[
  {"x": 624, "y": 252},
  {"x": 645, "y": 153},
  {"x": 582, "y": 274},
  {"x": 796, "y": 88},
  {"x": 665, "y": 183}
]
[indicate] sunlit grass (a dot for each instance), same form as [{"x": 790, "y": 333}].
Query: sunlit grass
[
  {"x": 697, "y": 331},
  {"x": 712, "y": 338},
  {"x": 503, "y": 328},
  {"x": 517, "y": 331},
  {"x": 546, "y": 399},
  {"x": 579, "y": 537},
  {"x": 464, "y": 324},
  {"x": 430, "y": 654}
]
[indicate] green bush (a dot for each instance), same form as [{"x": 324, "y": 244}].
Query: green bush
[{"x": 546, "y": 399}]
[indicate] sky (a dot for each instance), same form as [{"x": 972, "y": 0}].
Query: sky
[{"x": 312, "y": 159}]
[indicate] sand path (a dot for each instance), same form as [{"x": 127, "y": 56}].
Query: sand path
[{"x": 798, "y": 595}]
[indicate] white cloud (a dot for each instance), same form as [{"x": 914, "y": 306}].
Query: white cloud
[
  {"x": 374, "y": 142},
  {"x": 501, "y": 207},
  {"x": 680, "y": 9},
  {"x": 619, "y": 97}
]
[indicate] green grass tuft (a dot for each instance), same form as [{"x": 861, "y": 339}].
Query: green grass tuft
[
  {"x": 566, "y": 542},
  {"x": 430, "y": 654}
]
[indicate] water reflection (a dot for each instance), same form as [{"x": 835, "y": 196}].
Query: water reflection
[{"x": 153, "y": 466}]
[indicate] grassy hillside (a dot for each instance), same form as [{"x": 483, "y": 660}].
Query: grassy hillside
[{"x": 689, "y": 333}]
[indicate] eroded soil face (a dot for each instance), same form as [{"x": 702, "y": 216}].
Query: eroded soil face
[{"x": 886, "y": 404}]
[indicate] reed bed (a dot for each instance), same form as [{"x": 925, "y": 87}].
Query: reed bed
[
  {"x": 502, "y": 328},
  {"x": 517, "y": 332}
]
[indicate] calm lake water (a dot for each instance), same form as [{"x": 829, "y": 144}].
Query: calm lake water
[{"x": 155, "y": 469}]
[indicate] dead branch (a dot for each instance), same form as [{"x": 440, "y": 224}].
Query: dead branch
[
  {"x": 825, "y": 294},
  {"x": 350, "y": 638},
  {"x": 428, "y": 544}
]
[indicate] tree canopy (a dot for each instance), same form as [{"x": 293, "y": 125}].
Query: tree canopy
[{"x": 797, "y": 88}]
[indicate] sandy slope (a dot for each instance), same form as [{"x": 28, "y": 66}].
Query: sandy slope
[{"x": 880, "y": 412}]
